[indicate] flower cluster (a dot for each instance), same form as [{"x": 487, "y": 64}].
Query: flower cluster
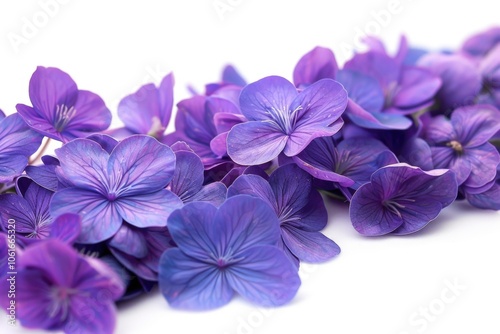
[{"x": 231, "y": 202}]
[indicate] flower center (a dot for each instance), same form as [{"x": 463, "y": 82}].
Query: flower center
[
  {"x": 285, "y": 118},
  {"x": 61, "y": 299},
  {"x": 456, "y": 146},
  {"x": 64, "y": 114}
]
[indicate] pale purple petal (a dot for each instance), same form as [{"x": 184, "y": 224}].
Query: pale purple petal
[
  {"x": 190, "y": 284},
  {"x": 254, "y": 143},
  {"x": 128, "y": 240},
  {"x": 188, "y": 175},
  {"x": 147, "y": 210},
  {"x": 66, "y": 227},
  {"x": 264, "y": 276},
  {"x": 317, "y": 64},
  {"x": 483, "y": 160},
  {"x": 100, "y": 217},
  {"x": 140, "y": 164},
  {"x": 311, "y": 247},
  {"x": 272, "y": 92},
  {"x": 214, "y": 193}
]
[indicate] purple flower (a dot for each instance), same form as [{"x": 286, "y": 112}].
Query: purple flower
[
  {"x": 58, "y": 289},
  {"x": 223, "y": 251},
  {"x": 485, "y": 197},
  {"x": 461, "y": 80},
  {"x": 461, "y": 143},
  {"x": 282, "y": 120},
  {"x": 230, "y": 77},
  {"x": 147, "y": 111},
  {"x": 60, "y": 110},
  {"x": 480, "y": 44},
  {"x": 17, "y": 143},
  {"x": 401, "y": 199},
  {"x": 197, "y": 124},
  {"x": 300, "y": 210},
  {"x": 406, "y": 89},
  {"x": 490, "y": 72},
  {"x": 349, "y": 163},
  {"x": 106, "y": 188}
]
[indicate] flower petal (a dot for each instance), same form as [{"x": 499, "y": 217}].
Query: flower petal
[
  {"x": 83, "y": 163},
  {"x": 188, "y": 175},
  {"x": 138, "y": 110},
  {"x": 475, "y": 125},
  {"x": 483, "y": 160},
  {"x": 273, "y": 92},
  {"x": 242, "y": 222},
  {"x": 140, "y": 164},
  {"x": 190, "y": 284},
  {"x": 264, "y": 276},
  {"x": 148, "y": 210},
  {"x": 66, "y": 227},
  {"x": 311, "y": 247},
  {"x": 317, "y": 64},
  {"x": 214, "y": 193},
  {"x": 255, "y": 143},
  {"x": 253, "y": 185},
  {"x": 100, "y": 218}
]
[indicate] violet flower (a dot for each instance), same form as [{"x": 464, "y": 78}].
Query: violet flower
[
  {"x": 280, "y": 119},
  {"x": 406, "y": 89},
  {"x": 480, "y": 44},
  {"x": 349, "y": 163},
  {"x": 59, "y": 289},
  {"x": 366, "y": 97},
  {"x": 60, "y": 110},
  {"x": 197, "y": 125},
  {"x": 300, "y": 210},
  {"x": 147, "y": 111},
  {"x": 401, "y": 199},
  {"x": 17, "y": 143},
  {"x": 461, "y": 143},
  {"x": 106, "y": 188},
  {"x": 485, "y": 197},
  {"x": 226, "y": 251},
  {"x": 461, "y": 80}
]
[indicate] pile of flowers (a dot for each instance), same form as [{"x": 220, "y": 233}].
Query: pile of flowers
[{"x": 232, "y": 201}]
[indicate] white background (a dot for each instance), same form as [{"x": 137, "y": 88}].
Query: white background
[{"x": 377, "y": 285}]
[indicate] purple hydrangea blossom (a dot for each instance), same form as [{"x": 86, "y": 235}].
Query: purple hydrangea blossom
[
  {"x": 147, "y": 111},
  {"x": 401, "y": 199},
  {"x": 461, "y": 143},
  {"x": 280, "y": 119},
  {"x": 348, "y": 163},
  {"x": 299, "y": 207},
  {"x": 60, "y": 110},
  {"x": 17, "y": 143},
  {"x": 59, "y": 289},
  {"x": 225, "y": 251},
  {"x": 106, "y": 188}
]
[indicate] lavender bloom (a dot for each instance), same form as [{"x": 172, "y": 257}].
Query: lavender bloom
[
  {"x": 58, "y": 289},
  {"x": 461, "y": 143},
  {"x": 300, "y": 210},
  {"x": 147, "y": 111},
  {"x": 60, "y": 110},
  {"x": 349, "y": 163},
  {"x": 401, "y": 199},
  {"x": 406, "y": 89},
  {"x": 461, "y": 80},
  {"x": 106, "y": 188},
  {"x": 282, "y": 120},
  {"x": 17, "y": 143},
  {"x": 223, "y": 251}
]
